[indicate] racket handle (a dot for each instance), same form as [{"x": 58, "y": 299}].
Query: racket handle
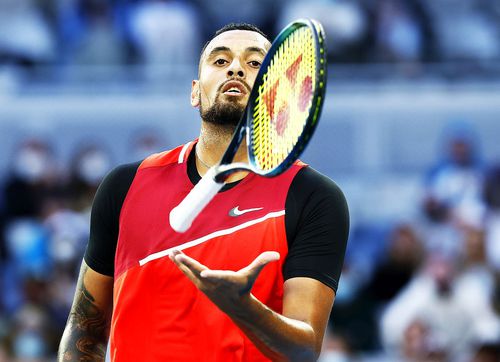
[{"x": 182, "y": 216}]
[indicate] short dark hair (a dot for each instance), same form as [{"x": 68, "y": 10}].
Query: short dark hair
[{"x": 230, "y": 27}]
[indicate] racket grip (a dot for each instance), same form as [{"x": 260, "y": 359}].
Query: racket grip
[{"x": 182, "y": 216}]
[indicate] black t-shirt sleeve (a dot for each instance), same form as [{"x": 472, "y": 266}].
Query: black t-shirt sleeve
[
  {"x": 317, "y": 227},
  {"x": 104, "y": 218}
]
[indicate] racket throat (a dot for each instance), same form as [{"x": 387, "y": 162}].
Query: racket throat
[
  {"x": 234, "y": 145},
  {"x": 224, "y": 172},
  {"x": 225, "y": 168}
]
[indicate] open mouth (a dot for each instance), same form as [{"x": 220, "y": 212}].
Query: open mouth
[{"x": 234, "y": 88}]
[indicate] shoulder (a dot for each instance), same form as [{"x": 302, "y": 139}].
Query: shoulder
[
  {"x": 116, "y": 183},
  {"x": 310, "y": 184},
  {"x": 315, "y": 202},
  {"x": 121, "y": 175},
  {"x": 176, "y": 155},
  {"x": 126, "y": 170}
]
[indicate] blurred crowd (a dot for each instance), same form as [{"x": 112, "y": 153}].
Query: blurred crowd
[
  {"x": 427, "y": 289},
  {"x": 44, "y": 227},
  {"x": 163, "y": 32},
  {"x": 420, "y": 289}
]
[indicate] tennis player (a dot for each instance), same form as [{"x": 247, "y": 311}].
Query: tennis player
[{"x": 254, "y": 278}]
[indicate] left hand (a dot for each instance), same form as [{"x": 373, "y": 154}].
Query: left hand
[{"x": 226, "y": 288}]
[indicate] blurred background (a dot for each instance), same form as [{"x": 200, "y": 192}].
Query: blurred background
[{"x": 410, "y": 131}]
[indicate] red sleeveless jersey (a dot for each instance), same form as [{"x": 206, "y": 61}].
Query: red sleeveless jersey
[{"x": 159, "y": 314}]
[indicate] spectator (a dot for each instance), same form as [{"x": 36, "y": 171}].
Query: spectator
[
  {"x": 71, "y": 27},
  {"x": 465, "y": 30},
  {"x": 30, "y": 340},
  {"x": 68, "y": 232},
  {"x": 475, "y": 286},
  {"x": 336, "y": 348},
  {"x": 356, "y": 318},
  {"x": 27, "y": 242},
  {"x": 88, "y": 166},
  {"x": 401, "y": 32},
  {"x": 451, "y": 307},
  {"x": 346, "y": 24},
  {"x": 33, "y": 177},
  {"x": 25, "y": 36},
  {"x": 60, "y": 293},
  {"x": 165, "y": 32},
  {"x": 418, "y": 344},
  {"x": 452, "y": 197},
  {"x": 100, "y": 42},
  {"x": 404, "y": 256}
]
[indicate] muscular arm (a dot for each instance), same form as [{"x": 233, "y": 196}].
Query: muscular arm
[
  {"x": 317, "y": 225},
  {"x": 86, "y": 334},
  {"x": 295, "y": 335}
]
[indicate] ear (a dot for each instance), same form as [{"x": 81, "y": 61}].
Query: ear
[{"x": 195, "y": 93}]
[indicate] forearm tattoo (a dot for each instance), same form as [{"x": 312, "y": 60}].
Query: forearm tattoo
[{"x": 87, "y": 331}]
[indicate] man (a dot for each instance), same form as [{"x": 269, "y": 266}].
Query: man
[{"x": 212, "y": 299}]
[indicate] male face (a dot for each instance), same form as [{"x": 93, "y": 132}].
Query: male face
[{"x": 228, "y": 68}]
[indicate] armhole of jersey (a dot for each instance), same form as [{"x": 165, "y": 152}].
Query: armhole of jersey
[
  {"x": 291, "y": 212},
  {"x": 117, "y": 187}
]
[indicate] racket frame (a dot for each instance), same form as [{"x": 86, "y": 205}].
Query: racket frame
[
  {"x": 317, "y": 101},
  {"x": 225, "y": 168}
]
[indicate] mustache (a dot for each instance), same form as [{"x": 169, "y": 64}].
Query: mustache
[{"x": 245, "y": 84}]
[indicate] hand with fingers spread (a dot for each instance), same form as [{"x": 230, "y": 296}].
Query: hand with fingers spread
[
  {"x": 225, "y": 288},
  {"x": 278, "y": 336}
]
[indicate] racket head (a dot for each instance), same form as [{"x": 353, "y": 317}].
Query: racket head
[{"x": 285, "y": 104}]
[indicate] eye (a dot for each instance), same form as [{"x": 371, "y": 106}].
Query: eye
[
  {"x": 220, "y": 61},
  {"x": 254, "y": 63}
]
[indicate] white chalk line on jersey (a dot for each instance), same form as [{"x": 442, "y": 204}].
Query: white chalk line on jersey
[
  {"x": 205, "y": 238},
  {"x": 183, "y": 152}
]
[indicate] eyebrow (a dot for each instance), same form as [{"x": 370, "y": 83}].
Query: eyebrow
[
  {"x": 218, "y": 50},
  {"x": 221, "y": 49},
  {"x": 256, "y": 50}
]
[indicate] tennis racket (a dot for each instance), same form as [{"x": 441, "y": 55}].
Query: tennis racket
[{"x": 283, "y": 110}]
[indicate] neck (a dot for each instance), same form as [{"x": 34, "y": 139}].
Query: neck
[{"x": 212, "y": 144}]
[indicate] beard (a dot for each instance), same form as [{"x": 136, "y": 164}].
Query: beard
[{"x": 226, "y": 114}]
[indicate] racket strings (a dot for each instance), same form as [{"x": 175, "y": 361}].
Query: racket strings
[{"x": 285, "y": 98}]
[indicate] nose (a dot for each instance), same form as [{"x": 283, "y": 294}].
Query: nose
[{"x": 235, "y": 69}]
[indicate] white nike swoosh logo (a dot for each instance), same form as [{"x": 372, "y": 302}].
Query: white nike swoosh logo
[{"x": 235, "y": 211}]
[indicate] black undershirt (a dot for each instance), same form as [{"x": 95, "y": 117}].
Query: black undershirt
[{"x": 316, "y": 221}]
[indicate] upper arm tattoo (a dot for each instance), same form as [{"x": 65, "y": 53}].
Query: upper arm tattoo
[{"x": 87, "y": 330}]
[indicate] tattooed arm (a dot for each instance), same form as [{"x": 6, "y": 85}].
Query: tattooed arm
[{"x": 86, "y": 334}]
